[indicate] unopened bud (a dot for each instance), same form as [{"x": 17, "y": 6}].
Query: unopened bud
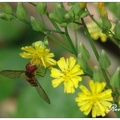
[
  {"x": 104, "y": 61},
  {"x": 36, "y": 24},
  {"x": 97, "y": 75},
  {"x": 68, "y": 17},
  {"x": 84, "y": 51},
  {"x": 82, "y": 4},
  {"x": 63, "y": 24},
  {"x": 6, "y": 16},
  {"x": 54, "y": 17},
  {"x": 21, "y": 11},
  {"x": 106, "y": 23},
  {"x": 6, "y": 7},
  {"x": 46, "y": 41},
  {"x": 38, "y": 44},
  {"x": 41, "y": 8},
  {"x": 84, "y": 65},
  {"x": 115, "y": 79}
]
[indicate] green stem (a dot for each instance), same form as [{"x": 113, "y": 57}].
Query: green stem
[
  {"x": 76, "y": 40},
  {"x": 58, "y": 29},
  {"x": 70, "y": 41},
  {"x": 90, "y": 40},
  {"x": 32, "y": 3},
  {"x": 54, "y": 31},
  {"x": 58, "y": 43},
  {"x": 114, "y": 40},
  {"x": 95, "y": 52}
]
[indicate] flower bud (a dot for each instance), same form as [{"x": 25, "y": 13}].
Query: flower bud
[
  {"x": 46, "y": 41},
  {"x": 38, "y": 43},
  {"x": 63, "y": 24},
  {"x": 55, "y": 17},
  {"x": 7, "y": 8},
  {"x": 68, "y": 17},
  {"x": 104, "y": 61},
  {"x": 41, "y": 8},
  {"x": 106, "y": 23},
  {"x": 21, "y": 11},
  {"x": 84, "y": 65},
  {"x": 97, "y": 75},
  {"x": 115, "y": 79},
  {"x": 6, "y": 16},
  {"x": 84, "y": 51},
  {"x": 36, "y": 24},
  {"x": 82, "y": 4}
]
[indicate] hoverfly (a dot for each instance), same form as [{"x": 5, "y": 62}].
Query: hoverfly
[{"x": 30, "y": 77}]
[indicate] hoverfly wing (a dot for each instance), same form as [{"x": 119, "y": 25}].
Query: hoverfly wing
[
  {"x": 12, "y": 74},
  {"x": 41, "y": 92}
]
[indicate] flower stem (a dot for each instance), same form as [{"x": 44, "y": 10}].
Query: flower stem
[
  {"x": 90, "y": 40},
  {"x": 60, "y": 44},
  {"x": 95, "y": 52},
  {"x": 70, "y": 41}
]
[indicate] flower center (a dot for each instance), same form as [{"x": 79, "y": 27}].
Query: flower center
[
  {"x": 67, "y": 75},
  {"x": 94, "y": 98}
]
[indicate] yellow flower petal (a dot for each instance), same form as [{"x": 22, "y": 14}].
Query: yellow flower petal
[
  {"x": 69, "y": 72},
  {"x": 96, "y": 100},
  {"x": 56, "y": 82},
  {"x": 39, "y": 55}
]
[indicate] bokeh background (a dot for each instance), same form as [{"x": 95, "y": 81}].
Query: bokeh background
[{"x": 17, "y": 97}]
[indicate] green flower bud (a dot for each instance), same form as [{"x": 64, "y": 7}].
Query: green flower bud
[
  {"x": 106, "y": 24},
  {"x": 76, "y": 11},
  {"x": 84, "y": 65},
  {"x": 84, "y": 14},
  {"x": 97, "y": 75},
  {"x": 7, "y": 8},
  {"x": 38, "y": 43},
  {"x": 57, "y": 5},
  {"x": 68, "y": 17},
  {"x": 115, "y": 79},
  {"x": 41, "y": 8},
  {"x": 104, "y": 61},
  {"x": 46, "y": 41},
  {"x": 36, "y": 24},
  {"x": 6, "y": 16},
  {"x": 74, "y": 26},
  {"x": 63, "y": 24},
  {"x": 84, "y": 51},
  {"x": 117, "y": 30},
  {"x": 55, "y": 17},
  {"x": 21, "y": 11}
]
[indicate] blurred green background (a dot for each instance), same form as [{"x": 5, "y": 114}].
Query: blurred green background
[{"x": 17, "y": 97}]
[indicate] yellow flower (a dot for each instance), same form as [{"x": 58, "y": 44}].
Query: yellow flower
[
  {"x": 96, "y": 32},
  {"x": 68, "y": 75},
  {"x": 96, "y": 100},
  {"x": 39, "y": 55},
  {"x": 83, "y": 4},
  {"x": 102, "y": 9}
]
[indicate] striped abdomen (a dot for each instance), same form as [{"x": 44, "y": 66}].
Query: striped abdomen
[{"x": 30, "y": 78}]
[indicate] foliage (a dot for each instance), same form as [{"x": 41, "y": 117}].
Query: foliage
[{"x": 71, "y": 72}]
